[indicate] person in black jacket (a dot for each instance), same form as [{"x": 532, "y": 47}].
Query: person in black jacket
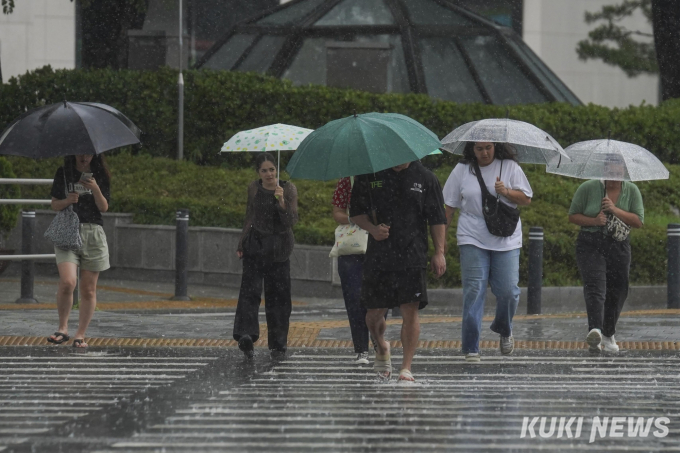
[{"x": 265, "y": 246}]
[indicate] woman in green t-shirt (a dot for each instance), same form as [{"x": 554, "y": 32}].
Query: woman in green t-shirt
[{"x": 603, "y": 261}]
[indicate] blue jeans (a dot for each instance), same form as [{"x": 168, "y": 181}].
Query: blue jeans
[
  {"x": 501, "y": 271},
  {"x": 350, "y": 268}
]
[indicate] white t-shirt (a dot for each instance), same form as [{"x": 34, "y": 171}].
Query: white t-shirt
[{"x": 462, "y": 191}]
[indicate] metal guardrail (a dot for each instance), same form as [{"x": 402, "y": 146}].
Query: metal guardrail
[
  {"x": 25, "y": 181},
  {"x": 27, "y": 257},
  {"x": 23, "y": 201},
  {"x": 27, "y": 233}
]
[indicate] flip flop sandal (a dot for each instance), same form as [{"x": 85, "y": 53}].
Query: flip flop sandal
[
  {"x": 405, "y": 375},
  {"x": 77, "y": 343},
  {"x": 63, "y": 336},
  {"x": 382, "y": 365}
]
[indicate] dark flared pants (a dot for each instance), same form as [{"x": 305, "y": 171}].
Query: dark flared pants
[
  {"x": 276, "y": 277},
  {"x": 350, "y": 269},
  {"x": 604, "y": 265}
]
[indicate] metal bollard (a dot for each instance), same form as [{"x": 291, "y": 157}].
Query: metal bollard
[
  {"x": 673, "y": 273},
  {"x": 27, "y": 266},
  {"x": 535, "y": 271},
  {"x": 181, "y": 255}
]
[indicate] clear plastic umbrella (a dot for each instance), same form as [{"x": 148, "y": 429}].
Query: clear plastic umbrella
[
  {"x": 533, "y": 145},
  {"x": 611, "y": 160}
]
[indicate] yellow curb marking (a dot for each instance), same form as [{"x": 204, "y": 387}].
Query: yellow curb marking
[
  {"x": 206, "y": 302},
  {"x": 307, "y": 339}
]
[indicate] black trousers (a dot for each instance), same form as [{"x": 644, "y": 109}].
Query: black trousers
[
  {"x": 604, "y": 265},
  {"x": 276, "y": 277}
]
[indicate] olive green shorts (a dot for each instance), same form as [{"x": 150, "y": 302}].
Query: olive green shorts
[{"x": 94, "y": 256}]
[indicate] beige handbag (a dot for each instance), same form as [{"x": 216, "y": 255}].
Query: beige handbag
[{"x": 350, "y": 239}]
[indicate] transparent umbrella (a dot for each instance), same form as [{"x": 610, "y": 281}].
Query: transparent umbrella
[
  {"x": 533, "y": 145},
  {"x": 610, "y": 160}
]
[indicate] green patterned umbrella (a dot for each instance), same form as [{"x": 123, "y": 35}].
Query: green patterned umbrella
[{"x": 275, "y": 137}]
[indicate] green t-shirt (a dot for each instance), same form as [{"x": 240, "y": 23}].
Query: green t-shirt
[{"x": 588, "y": 201}]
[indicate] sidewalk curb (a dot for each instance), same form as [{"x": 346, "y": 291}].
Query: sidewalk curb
[{"x": 302, "y": 343}]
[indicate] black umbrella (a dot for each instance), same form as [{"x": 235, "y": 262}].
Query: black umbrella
[{"x": 68, "y": 128}]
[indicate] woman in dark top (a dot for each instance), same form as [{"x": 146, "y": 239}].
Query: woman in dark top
[
  {"x": 265, "y": 246},
  {"x": 83, "y": 182}
]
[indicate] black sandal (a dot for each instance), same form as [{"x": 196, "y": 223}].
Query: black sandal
[
  {"x": 78, "y": 341},
  {"x": 63, "y": 336}
]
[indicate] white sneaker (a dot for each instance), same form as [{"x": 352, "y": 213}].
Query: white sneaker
[
  {"x": 472, "y": 357},
  {"x": 609, "y": 344},
  {"x": 362, "y": 358},
  {"x": 594, "y": 339}
]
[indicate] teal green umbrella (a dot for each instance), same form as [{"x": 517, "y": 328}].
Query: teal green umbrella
[{"x": 361, "y": 144}]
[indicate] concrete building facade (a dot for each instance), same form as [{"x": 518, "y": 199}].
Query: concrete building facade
[{"x": 41, "y": 32}]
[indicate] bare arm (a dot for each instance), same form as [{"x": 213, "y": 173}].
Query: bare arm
[
  {"x": 99, "y": 198},
  {"x": 438, "y": 262},
  {"x": 516, "y": 196},
  {"x": 629, "y": 218},
  {"x": 449, "y": 216},
  {"x": 379, "y": 232},
  {"x": 340, "y": 215},
  {"x": 60, "y": 205}
]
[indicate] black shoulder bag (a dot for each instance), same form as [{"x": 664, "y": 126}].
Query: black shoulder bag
[{"x": 501, "y": 219}]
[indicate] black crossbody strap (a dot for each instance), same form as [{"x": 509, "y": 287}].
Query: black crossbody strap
[{"x": 478, "y": 174}]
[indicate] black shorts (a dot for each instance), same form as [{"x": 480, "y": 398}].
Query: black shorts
[{"x": 390, "y": 289}]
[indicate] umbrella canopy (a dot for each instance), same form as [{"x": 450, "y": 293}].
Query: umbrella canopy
[
  {"x": 611, "y": 160},
  {"x": 361, "y": 144},
  {"x": 275, "y": 137},
  {"x": 533, "y": 145},
  {"x": 68, "y": 128}
]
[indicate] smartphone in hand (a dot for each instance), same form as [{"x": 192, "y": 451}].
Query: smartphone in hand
[{"x": 79, "y": 188}]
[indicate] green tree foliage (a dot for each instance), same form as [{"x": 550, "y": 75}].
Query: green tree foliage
[
  {"x": 616, "y": 45},
  {"x": 154, "y": 188},
  {"x": 220, "y": 103},
  {"x": 7, "y": 6}
]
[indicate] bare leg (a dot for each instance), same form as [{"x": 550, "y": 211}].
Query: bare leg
[
  {"x": 375, "y": 321},
  {"x": 67, "y": 283},
  {"x": 88, "y": 302},
  {"x": 410, "y": 332}
]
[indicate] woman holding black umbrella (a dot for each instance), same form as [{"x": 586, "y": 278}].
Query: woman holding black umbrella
[{"x": 84, "y": 183}]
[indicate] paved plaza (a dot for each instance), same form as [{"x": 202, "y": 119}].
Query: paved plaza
[{"x": 164, "y": 376}]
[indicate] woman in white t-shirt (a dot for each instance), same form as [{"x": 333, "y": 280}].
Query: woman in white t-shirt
[{"x": 485, "y": 258}]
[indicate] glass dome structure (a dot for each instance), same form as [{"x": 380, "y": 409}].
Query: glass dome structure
[{"x": 394, "y": 46}]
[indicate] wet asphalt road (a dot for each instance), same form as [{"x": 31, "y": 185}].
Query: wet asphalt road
[{"x": 210, "y": 400}]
